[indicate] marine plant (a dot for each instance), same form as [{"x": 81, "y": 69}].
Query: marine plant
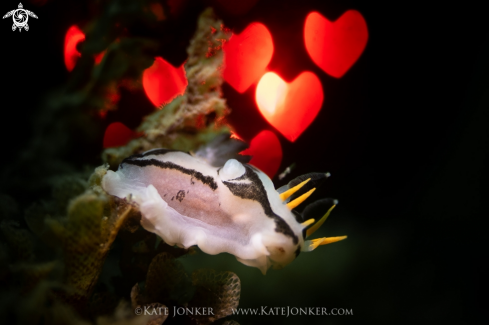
[{"x": 55, "y": 256}]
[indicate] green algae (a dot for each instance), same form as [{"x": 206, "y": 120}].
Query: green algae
[{"x": 59, "y": 252}]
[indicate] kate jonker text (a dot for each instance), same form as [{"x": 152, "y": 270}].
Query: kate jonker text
[
  {"x": 149, "y": 310},
  {"x": 263, "y": 311}
]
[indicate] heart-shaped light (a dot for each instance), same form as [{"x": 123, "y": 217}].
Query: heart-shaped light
[
  {"x": 247, "y": 55},
  {"x": 162, "y": 82},
  {"x": 266, "y": 151},
  {"x": 71, "y": 55},
  {"x": 73, "y": 36},
  {"x": 117, "y": 134},
  {"x": 335, "y": 46},
  {"x": 289, "y": 107}
]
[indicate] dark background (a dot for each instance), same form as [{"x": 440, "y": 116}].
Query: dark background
[{"x": 404, "y": 134}]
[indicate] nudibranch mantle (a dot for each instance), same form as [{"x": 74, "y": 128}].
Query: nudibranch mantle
[{"x": 234, "y": 208}]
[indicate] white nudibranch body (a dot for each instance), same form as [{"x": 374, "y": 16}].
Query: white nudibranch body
[{"x": 234, "y": 208}]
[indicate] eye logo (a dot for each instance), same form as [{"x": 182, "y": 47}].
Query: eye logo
[{"x": 20, "y": 17}]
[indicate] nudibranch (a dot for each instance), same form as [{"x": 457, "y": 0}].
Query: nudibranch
[{"x": 187, "y": 200}]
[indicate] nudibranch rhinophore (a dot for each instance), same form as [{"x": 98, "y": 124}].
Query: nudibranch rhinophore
[{"x": 188, "y": 201}]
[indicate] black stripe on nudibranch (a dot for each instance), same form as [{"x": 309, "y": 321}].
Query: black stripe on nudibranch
[
  {"x": 156, "y": 152},
  {"x": 255, "y": 191},
  {"x": 207, "y": 180},
  {"x": 297, "y": 251},
  {"x": 160, "y": 151}
]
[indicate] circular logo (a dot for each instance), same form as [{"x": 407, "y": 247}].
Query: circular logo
[{"x": 20, "y": 18}]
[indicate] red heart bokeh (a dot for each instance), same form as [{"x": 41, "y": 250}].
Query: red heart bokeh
[
  {"x": 289, "y": 107},
  {"x": 335, "y": 46},
  {"x": 246, "y": 56},
  {"x": 117, "y": 134},
  {"x": 266, "y": 151},
  {"x": 162, "y": 82},
  {"x": 73, "y": 36}
]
